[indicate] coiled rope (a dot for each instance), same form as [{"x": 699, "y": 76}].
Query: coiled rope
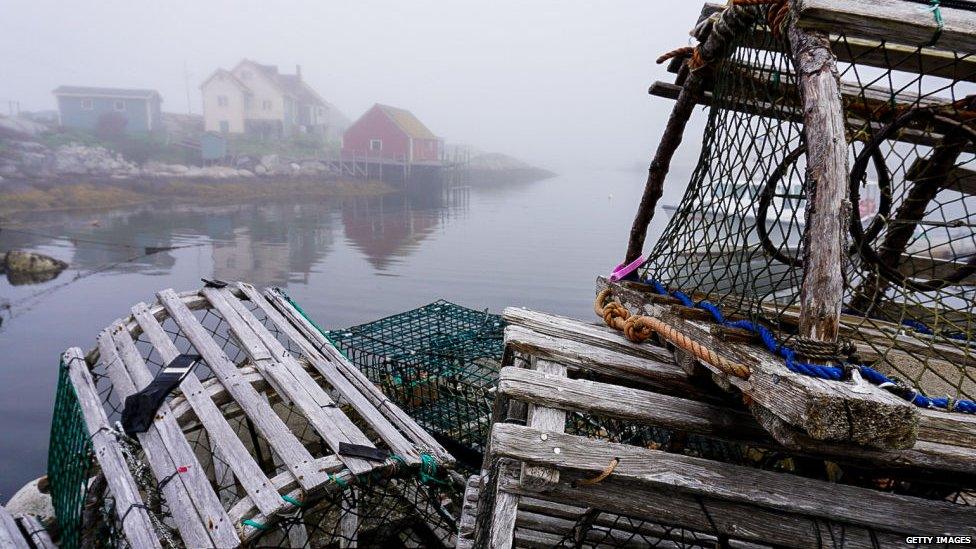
[
  {"x": 789, "y": 355},
  {"x": 639, "y": 328}
]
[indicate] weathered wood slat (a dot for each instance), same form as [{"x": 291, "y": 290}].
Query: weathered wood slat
[
  {"x": 36, "y": 533},
  {"x": 281, "y": 369},
  {"x": 271, "y": 427},
  {"x": 393, "y": 412},
  {"x": 883, "y": 19},
  {"x": 736, "y": 520},
  {"x": 613, "y": 364},
  {"x": 10, "y": 535},
  {"x": 137, "y": 526},
  {"x": 779, "y": 491},
  {"x": 544, "y": 417},
  {"x": 501, "y": 530},
  {"x": 826, "y": 410},
  {"x": 221, "y": 434},
  {"x": 618, "y": 402},
  {"x": 346, "y": 389},
  {"x": 196, "y": 509}
]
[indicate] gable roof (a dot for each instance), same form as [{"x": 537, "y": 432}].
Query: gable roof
[
  {"x": 288, "y": 84},
  {"x": 406, "y": 121},
  {"x": 106, "y": 92},
  {"x": 230, "y": 76}
]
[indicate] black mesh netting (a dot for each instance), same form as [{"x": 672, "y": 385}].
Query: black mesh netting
[{"x": 735, "y": 238}]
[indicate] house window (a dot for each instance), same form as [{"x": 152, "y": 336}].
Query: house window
[
  {"x": 266, "y": 105},
  {"x": 376, "y": 144},
  {"x": 118, "y": 105},
  {"x": 87, "y": 105},
  {"x": 224, "y": 126},
  {"x": 221, "y": 100}
]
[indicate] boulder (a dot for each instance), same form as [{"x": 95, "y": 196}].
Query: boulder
[
  {"x": 245, "y": 173},
  {"x": 19, "y": 261},
  {"x": 270, "y": 161},
  {"x": 178, "y": 168},
  {"x": 260, "y": 169}
]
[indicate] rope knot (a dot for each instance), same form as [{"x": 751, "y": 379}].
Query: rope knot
[{"x": 638, "y": 329}]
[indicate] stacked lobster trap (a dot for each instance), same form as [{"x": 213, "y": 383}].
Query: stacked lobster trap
[
  {"x": 274, "y": 439},
  {"x": 791, "y": 365}
]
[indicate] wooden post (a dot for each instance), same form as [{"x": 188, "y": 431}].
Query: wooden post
[{"x": 825, "y": 237}]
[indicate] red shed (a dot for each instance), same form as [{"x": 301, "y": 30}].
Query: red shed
[{"x": 391, "y": 133}]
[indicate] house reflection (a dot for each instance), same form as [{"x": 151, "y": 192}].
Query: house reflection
[{"x": 388, "y": 227}]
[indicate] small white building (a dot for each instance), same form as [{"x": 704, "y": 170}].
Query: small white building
[{"x": 256, "y": 99}]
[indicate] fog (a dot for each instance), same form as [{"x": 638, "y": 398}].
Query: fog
[{"x": 561, "y": 84}]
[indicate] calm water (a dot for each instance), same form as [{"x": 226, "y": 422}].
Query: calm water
[{"x": 348, "y": 261}]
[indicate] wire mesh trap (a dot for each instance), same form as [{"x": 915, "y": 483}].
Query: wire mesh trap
[
  {"x": 438, "y": 362},
  {"x": 274, "y": 439}
]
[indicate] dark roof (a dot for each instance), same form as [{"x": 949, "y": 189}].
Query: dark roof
[
  {"x": 292, "y": 84},
  {"x": 105, "y": 92},
  {"x": 410, "y": 124}
]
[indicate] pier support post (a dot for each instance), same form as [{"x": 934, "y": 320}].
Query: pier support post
[{"x": 828, "y": 203}]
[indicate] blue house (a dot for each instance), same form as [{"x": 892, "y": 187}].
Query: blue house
[{"x": 126, "y": 110}]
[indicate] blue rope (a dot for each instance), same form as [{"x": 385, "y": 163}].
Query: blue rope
[{"x": 835, "y": 373}]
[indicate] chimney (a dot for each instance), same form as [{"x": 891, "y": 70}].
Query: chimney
[{"x": 298, "y": 71}]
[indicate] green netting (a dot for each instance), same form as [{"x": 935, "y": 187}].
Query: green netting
[
  {"x": 438, "y": 362},
  {"x": 735, "y": 238},
  {"x": 70, "y": 460}
]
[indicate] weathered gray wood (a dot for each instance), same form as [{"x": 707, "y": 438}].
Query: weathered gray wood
[
  {"x": 469, "y": 511},
  {"x": 197, "y": 510},
  {"x": 613, "y": 364},
  {"x": 614, "y": 401},
  {"x": 501, "y": 530},
  {"x": 137, "y": 526},
  {"x": 10, "y": 535},
  {"x": 826, "y": 410},
  {"x": 545, "y": 418},
  {"x": 738, "y": 521},
  {"x": 35, "y": 532},
  {"x": 393, "y": 412},
  {"x": 281, "y": 368},
  {"x": 221, "y": 434},
  {"x": 767, "y": 489},
  {"x": 349, "y": 521},
  {"x": 271, "y": 427},
  {"x": 828, "y": 209},
  {"x": 590, "y": 334},
  {"x": 886, "y": 19}
]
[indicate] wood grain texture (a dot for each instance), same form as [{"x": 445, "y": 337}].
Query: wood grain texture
[
  {"x": 35, "y": 532},
  {"x": 137, "y": 526},
  {"x": 544, "y": 417},
  {"x": 770, "y": 490},
  {"x": 10, "y": 535}
]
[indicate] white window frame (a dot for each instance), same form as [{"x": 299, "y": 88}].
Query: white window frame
[
  {"x": 373, "y": 143},
  {"x": 222, "y": 101},
  {"x": 87, "y": 104},
  {"x": 118, "y": 105}
]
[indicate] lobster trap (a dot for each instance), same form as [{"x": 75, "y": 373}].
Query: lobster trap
[
  {"x": 439, "y": 363},
  {"x": 273, "y": 440}
]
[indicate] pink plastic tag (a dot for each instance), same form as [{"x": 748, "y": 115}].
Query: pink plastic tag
[{"x": 621, "y": 271}]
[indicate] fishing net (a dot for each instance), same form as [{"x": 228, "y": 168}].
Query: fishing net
[
  {"x": 393, "y": 505},
  {"x": 439, "y": 363},
  {"x": 735, "y": 238}
]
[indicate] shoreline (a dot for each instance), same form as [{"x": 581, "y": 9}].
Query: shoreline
[{"x": 73, "y": 194}]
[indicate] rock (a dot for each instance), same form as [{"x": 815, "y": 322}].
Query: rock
[
  {"x": 31, "y": 262},
  {"x": 295, "y": 168},
  {"x": 313, "y": 167},
  {"x": 178, "y": 168},
  {"x": 20, "y": 127},
  {"x": 245, "y": 173},
  {"x": 33, "y": 498},
  {"x": 9, "y": 170},
  {"x": 270, "y": 160},
  {"x": 260, "y": 169}
]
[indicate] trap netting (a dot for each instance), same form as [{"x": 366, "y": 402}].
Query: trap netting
[
  {"x": 439, "y": 363},
  {"x": 392, "y": 504},
  {"x": 736, "y": 238}
]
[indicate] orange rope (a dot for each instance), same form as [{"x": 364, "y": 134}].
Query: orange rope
[{"x": 639, "y": 328}]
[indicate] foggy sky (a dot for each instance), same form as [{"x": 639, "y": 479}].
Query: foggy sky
[{"x": 559, "y": 83}]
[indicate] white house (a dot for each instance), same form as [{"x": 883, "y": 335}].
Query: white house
[{"x": 256, "y": 99}]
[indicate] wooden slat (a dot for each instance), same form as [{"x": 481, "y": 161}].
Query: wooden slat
[
  {"x": 193, "y": 503},
  {"x": 826, "y": 410},
  {"x": 293, "y": 454},
  {"x": 884, "y": 19},
  {"x": 389, "y": 409},
  {"x": 735, "y": 520},
  {"x": 501, "y": 530},
  {"x": 36, "y": 533},
  {"x": 10, "y": 535},
  {"x": 219, "y": 431},
  {"x": 350, "y": 393},
  {"x": 469, "y": 511},
  {"x": 544, "y": 417},
  {"x": 614, "y": 364},
  {"x": 282, "y": 370},
  {"x": 766, "y": 489},
  {"x": 137, "y": 526}
]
